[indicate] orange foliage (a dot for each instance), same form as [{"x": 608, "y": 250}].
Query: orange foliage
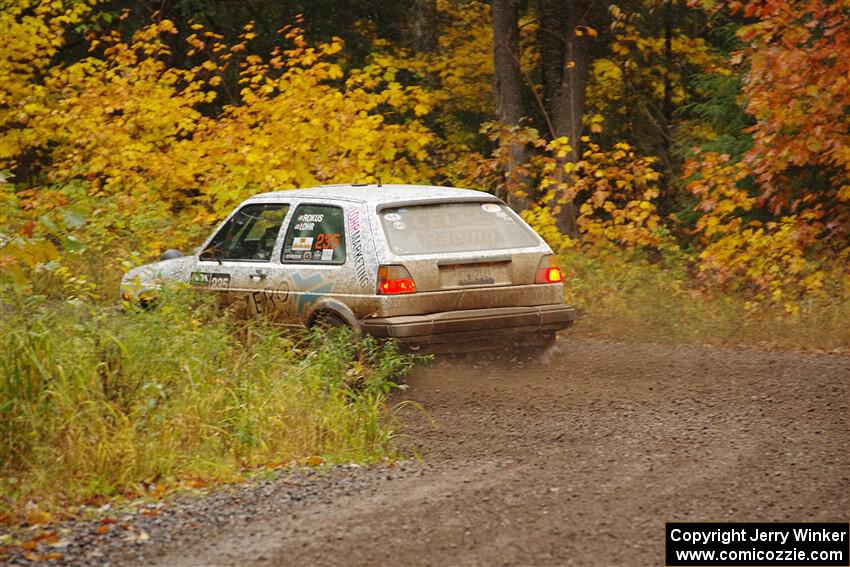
[
  {"x": 617, "y": 188},
  {"x": 776, "y": 225},
  {"x": 798, "y": 89},
  {"x": 767, "y": 261}
]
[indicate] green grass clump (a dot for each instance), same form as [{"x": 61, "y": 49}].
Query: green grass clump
[
  {"x": 96, "y": 401},
  {"x": 625, "y": 296}
]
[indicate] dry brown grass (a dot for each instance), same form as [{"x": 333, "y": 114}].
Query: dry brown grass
[{"x": 626, "y": 297}]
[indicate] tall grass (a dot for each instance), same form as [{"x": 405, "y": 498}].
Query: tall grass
[
  {"x": 628, "y": 297},
  {"x": 95, "y": 401}
]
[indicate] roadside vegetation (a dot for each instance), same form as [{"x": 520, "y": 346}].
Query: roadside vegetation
[
  {"x": 98, "y": 403},
  {"x": 629, "y": 296}
]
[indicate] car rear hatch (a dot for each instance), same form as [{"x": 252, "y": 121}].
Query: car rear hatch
[{"x": 465, "y": 255}]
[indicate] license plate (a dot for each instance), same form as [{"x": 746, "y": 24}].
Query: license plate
[{"x": 474, "y": 275}]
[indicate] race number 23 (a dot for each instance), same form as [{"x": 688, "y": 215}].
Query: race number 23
[{"x": 327, "y": 241}]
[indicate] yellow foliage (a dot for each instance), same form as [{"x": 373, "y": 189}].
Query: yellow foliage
[
  {"x": 542, "y": 219},
  {"x": 464, "y": 62},
  {"x": 769, "y": 261},
  {"x": 136, "y": 154},
  {"x": 32, "y": 31},
  {"x": 619, "y": 190},
  {"x": 638, "y": 62},
  {"x": 122, "y": 131}
]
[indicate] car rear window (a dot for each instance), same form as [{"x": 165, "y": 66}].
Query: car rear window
[{"x": 454, "y": 227}]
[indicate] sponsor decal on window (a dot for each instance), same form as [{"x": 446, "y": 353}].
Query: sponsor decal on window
[{"x": 302, "y": 243}]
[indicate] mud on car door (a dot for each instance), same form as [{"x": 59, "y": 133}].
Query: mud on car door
[
  {"x": 239, "y": 259},
  {"x": 312, "y": 260}
]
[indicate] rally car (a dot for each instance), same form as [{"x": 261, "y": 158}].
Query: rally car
[{"x": 436, "y": 267}]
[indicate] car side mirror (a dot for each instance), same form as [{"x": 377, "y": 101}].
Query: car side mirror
[{"x": 170, "y": 254}]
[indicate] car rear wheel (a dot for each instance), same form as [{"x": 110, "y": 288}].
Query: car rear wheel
[{"x": 328, "y": 320}]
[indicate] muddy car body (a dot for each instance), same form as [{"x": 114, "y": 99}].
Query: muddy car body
[{"x": 434, "y": 266}]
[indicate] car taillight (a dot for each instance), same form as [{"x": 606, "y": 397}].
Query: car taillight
[
  {"x": 395, "y": 279},
  {"x": 547, "y": 272}
]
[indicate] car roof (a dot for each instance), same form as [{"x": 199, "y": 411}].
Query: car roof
[{"x": 381, "y": 194}]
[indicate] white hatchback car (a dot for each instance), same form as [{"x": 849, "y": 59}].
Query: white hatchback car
[{"x": 438, "y": 267}]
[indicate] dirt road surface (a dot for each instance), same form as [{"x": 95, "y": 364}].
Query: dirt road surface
[{"x": 578, "y": 462}]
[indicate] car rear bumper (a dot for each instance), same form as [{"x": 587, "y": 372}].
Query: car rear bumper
[{"x": 482, "y": 326}]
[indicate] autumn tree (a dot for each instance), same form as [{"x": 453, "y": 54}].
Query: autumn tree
[
  {"x": 775, "y": 217},
  {"x": 508, "y": 90},
  {"x": 798, "y": 90},
  {"x": 566, "y": 30}
]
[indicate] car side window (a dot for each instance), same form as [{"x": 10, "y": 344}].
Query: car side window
[
  {"x": 316, "y": 236},
  {"x": 250, "y": 234}
]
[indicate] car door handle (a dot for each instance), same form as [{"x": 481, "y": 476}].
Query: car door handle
[{"x": 258, "y": 276}]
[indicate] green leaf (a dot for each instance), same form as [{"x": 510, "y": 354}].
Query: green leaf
[
  {"x": 73, "y": 219},
  {"x": 48, "y": 224},
  {"x": 71, "y": 244}
]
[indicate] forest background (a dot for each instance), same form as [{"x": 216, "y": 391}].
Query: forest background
[{"x": 689, "y": 162}]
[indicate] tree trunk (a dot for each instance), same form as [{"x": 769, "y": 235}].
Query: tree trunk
[
  {"x": 565, "y": 71},
  {"x": 552, "y": 41},
  {"x": 425, "y": 25},
  {"x": 571, "y": 100},
  {"x": 667, "y": 103},
  {"x": 505, "y": 14}
]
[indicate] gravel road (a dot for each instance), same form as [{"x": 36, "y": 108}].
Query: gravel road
[{"x": 577, "y": 462}]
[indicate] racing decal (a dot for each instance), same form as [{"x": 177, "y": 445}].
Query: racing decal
[
  {"x": 305, "y": 226},
  {"x": 482, "y": 239},
  {"x": 392, "y": 217},
  {"x": 311, "y": 217},
  {"x": 325, "y": 241},
  {"x": 302, "y": 243},
  {"x": 310, "y": 288},
  {"x": 292, "y": 298},
  {"x": 210, "y": 280},
  {"x": 398, "y": 225},
  {"x": 357, "y": 248},
  {"x": 327, "y": 254},
  {"x": 270, "y": 299}
]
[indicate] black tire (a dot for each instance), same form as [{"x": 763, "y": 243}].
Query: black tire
[{"x": 328, "y": 320}]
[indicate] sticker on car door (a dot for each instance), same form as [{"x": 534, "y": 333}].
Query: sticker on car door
[{"x": 210, "y": 280}]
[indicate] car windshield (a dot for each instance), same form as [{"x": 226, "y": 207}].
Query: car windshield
[{"x": 454, "y": 227}]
